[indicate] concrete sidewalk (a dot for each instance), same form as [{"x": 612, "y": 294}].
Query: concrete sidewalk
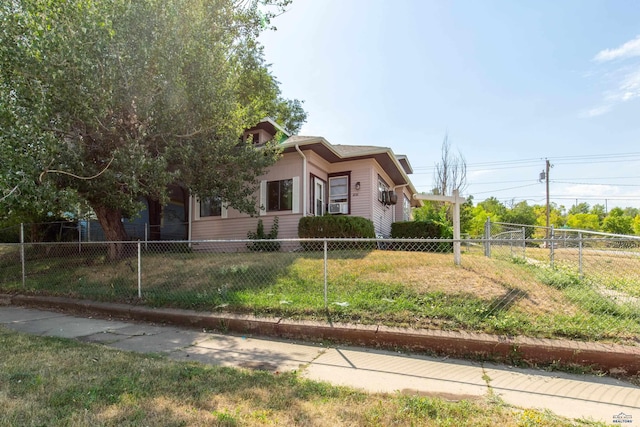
[{"x": 597, "y": 398}]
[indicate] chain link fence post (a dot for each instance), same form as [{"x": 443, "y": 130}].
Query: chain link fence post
[
  {"x": 487, "y": 236},
  {"x": 552, "y": 243},
  {"x": 326, "y": 302},
  {"x": 580, "y": 254},
  {"x": 22, "y": 260},
  {"x": 139, "y": 270}
]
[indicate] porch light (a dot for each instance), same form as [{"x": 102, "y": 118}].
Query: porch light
[{"x": 357, "y": 185}]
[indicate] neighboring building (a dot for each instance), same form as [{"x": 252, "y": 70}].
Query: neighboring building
[{"x": 314, "y": 177}]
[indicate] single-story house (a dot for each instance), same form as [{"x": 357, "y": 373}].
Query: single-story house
[{"x": 314, "y": 177}]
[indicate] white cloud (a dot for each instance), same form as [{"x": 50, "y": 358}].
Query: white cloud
[
  {"x": 623, "y": 81},
  {"x": 630, "y": 86},
  {"x": 597, "y": 111},
  {"x": 583, "y": 190},
  {"x": 627, "y": 50},
  {"x": 473, "y": 175}
]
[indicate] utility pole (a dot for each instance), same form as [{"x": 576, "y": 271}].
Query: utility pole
[
  {"x": 545, "y": 175},
  {"x": 548, "y": 205}
]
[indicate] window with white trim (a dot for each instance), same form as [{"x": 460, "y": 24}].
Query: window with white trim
[
  {"x": 406, "y": 208},
  {"x": 280, "y": 195},
  {"x": 319, "y": 196},
  {"x": 339, "y": 189},
  {"x": 210, "y": 206},
  {"x": 383, "y": 190}
]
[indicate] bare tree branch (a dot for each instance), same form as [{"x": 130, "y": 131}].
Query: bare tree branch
[
  {"x": 451, "y": 172},
  {"x": 10, "y": 193},
  {"x": 85, "y": 178}
]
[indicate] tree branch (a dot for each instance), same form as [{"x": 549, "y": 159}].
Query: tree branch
[
  {"x": 87, "y": 178},
  {"x": 10, "y": 193}
]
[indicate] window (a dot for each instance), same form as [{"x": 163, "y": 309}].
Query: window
[
  {"x": 280, "y": 195},
  {"x": 383, "y": 190},
  {"x": 319, "y": 196},
  {"x": 406, "y": 208},
  {"x": 339, "y": 189},
  {"x": 255, "y": 137},
  {"x": 210, "y": 206}
]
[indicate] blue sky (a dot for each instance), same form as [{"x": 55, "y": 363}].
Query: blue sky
[{"x": 511, "y": 82}]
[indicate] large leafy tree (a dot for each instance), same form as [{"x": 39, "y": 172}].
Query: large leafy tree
[
  {"x": 113, "y": 100},
  {"x": 580, "y": 208},
  {"x": 557, "y": 218},
  {"x": 583, "y": 221},
  {"x": 636, "y": 225},
  {"x": 617, "y": 222}
]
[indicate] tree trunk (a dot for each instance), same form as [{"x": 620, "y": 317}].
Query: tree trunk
[
  {"x": 155, "y": 218},
  {"x": 111, "y": 221}
]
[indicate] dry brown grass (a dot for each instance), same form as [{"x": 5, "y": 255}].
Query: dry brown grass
[
  {"x": 75, "y": 384},
  {"x": 482, "y": 277}
]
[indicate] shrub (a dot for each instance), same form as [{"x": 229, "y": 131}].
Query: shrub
[
  {"x": 336, "y": 226},
  {"x": 260, "y": 236},
  {"x": 421, "y": 230},
  {"x": 417, "y": 230}
]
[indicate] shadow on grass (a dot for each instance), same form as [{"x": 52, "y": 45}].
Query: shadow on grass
[{"x": 122, "y": 388}]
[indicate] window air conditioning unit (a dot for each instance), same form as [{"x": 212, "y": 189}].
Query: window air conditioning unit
[
  {"x": 389, "y": 197},
  {"x": 338, "y": 208},
  {"x": 392, "y": 197}
]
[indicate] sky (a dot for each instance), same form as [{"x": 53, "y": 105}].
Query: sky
[{"x": 510, "y": 83}]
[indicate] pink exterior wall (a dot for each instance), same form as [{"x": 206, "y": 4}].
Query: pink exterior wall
[
  {"x": 235, "y": 225},
  {"x": 383, "y": 215},
  {"x": 363, "y": 202}
]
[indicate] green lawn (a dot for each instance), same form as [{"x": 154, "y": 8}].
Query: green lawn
[{"x": 410, "y": 289}]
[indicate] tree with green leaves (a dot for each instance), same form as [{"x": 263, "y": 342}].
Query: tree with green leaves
[
  {"x": 557, "y": 218},
  {"x": 580, "y": 208},
  {"x": 475, "y": 226},
  {"x": 617, "y": 222},
  {"x": 583, "y": 221},
  {"x": 520, "y": 213},
  {"x": 636, "y": 225},
  {"x": 599, "y": 210},
  {"x": 495, "y": 207},
  {"x": 110, "y": 101}
]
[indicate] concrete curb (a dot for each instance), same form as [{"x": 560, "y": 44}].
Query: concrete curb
[{"x": 615, "y": 359}]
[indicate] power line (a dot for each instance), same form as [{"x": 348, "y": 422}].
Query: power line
[
  {"x": 505, "y": 189},
  {"x": 595, "y": 183},
  {"x": 582, "y": 159}
]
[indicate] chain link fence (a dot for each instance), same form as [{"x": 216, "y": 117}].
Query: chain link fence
[
  {"x": 89, "y": 231},
  {"x": 584, "y": 287}
]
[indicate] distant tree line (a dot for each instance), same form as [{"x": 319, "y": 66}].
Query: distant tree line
[{"x": 580, "y": 216}]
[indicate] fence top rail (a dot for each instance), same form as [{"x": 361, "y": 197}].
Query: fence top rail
[
  {"x": 598, "y": 233},
  {"x": 571, "y": 230},
  {"x": 511, "y": 239},
  {"x": 519, "y": 225},
  {"x": 243, "y": 241}
]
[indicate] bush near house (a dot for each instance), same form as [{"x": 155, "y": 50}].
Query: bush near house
[
  {"x": 335, "y": 226},
  {"x": 421, "y": 230},
  {"x": 260, "y": 245}
]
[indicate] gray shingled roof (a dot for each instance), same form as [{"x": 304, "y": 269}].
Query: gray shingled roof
[{"x": 355, "y": 150}]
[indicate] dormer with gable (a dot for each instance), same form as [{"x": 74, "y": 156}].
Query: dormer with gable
[{"x": 264, "y": 131}]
